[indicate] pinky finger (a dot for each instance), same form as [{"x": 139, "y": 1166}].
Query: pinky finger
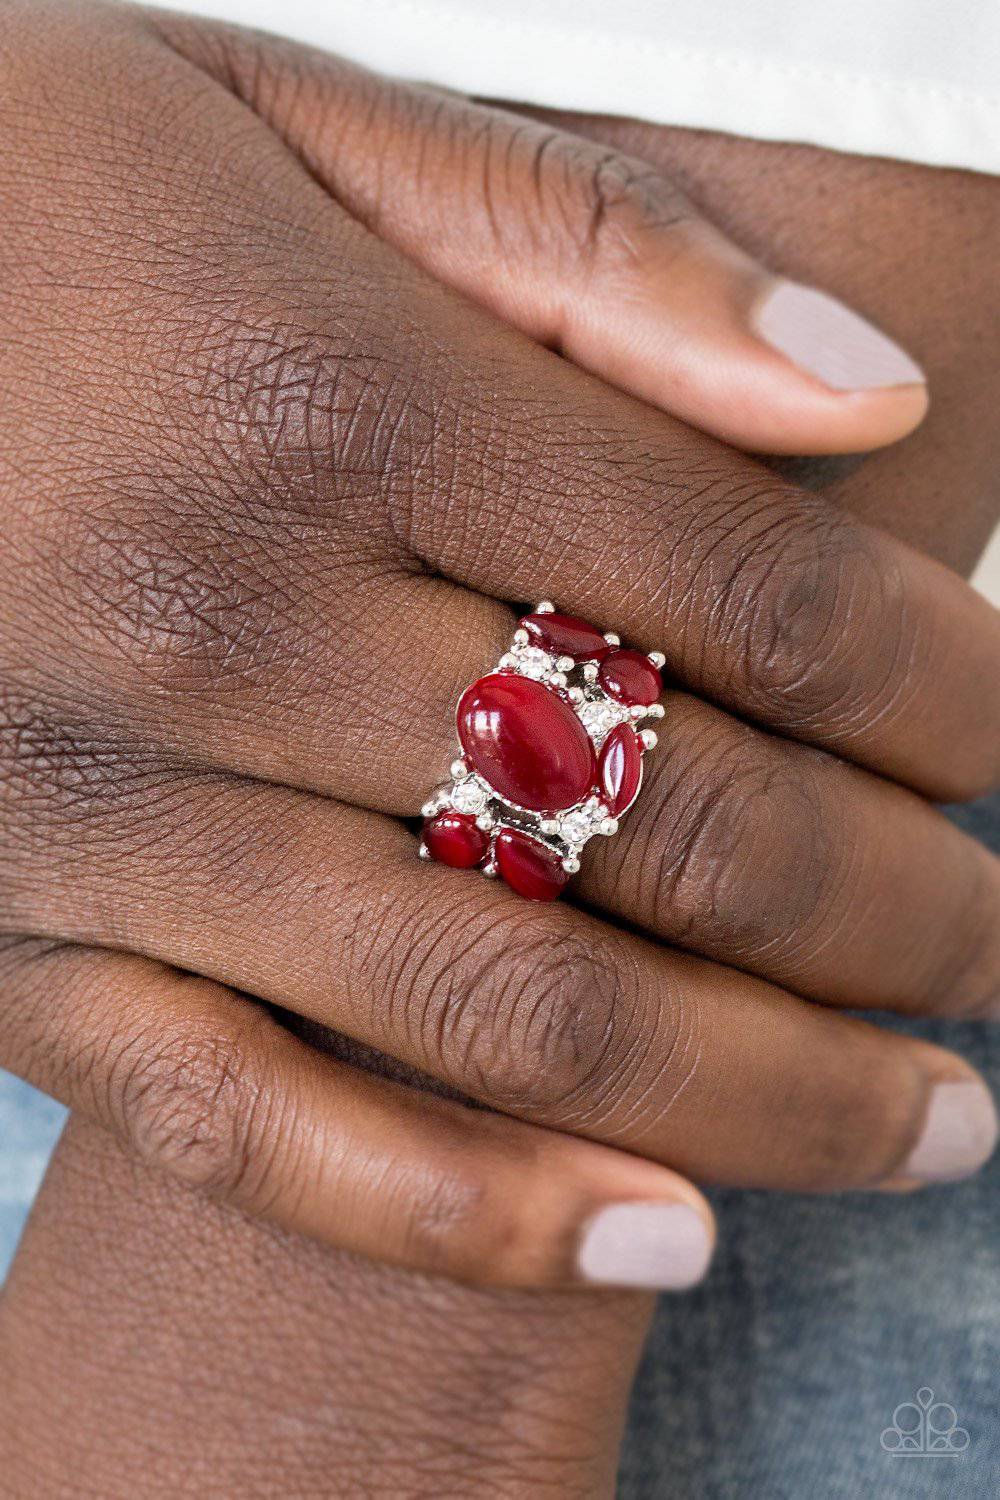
[{"x": 202, "y": 1083}]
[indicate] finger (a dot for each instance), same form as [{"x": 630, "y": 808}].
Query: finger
[
  {"x": 204, "y": 1085},
  {"x": 344, "y": 397},
  {"x": 590, "y": 251},
  {"x": 542, "y": 1012},
  {"x": 796, "y": 866},
  {"x": 744, "y": 847}
]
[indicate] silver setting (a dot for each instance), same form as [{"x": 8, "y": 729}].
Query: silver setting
[{"x": 567, "y": 832}]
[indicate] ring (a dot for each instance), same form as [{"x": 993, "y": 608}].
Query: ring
[{"x": 552, "y": 754}]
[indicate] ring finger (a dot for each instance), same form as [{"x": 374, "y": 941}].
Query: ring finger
[{"x": 749, "y": 849}]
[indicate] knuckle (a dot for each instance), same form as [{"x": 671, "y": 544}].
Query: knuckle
[
  {"x": 825, "y": 639},
  {"x": 701, "y": 851},
  {"x": 520, "y": 1011},
  {"x": 183, "y": 605},
  {"x": 605, "y": 204},
  {"x": 190, "y": 1106},
  {"x": 321, "y": 409},
  {"x": 553, "y": 1042}
]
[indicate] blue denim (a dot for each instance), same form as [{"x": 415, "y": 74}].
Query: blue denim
[
  {"x": 29, "y": 1128},
  {"x": 779, "y": 1379}
]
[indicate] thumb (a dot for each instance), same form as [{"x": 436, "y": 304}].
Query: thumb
[{"x": 592, "y": 252}]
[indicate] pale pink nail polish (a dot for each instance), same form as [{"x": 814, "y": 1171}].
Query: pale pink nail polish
[
  {"x": 959, "y": 1134},
  {"x": 659, "y": 1246},
  {"x": 830, "y": 342}
]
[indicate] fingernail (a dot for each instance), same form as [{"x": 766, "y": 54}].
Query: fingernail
[
  {"x": 829, "y": 341},
  {"x": 660, "y": 1246},
  {"x": 958, "y": 1136}
]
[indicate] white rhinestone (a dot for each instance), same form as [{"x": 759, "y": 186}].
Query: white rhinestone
[
  {"x": 532, "y": 661},
  {"x": 599, "y": 718},
  {"x": 577, "y": 827},
  {"x": 468, "y": 797},
  {"x": 582, "y": 823}
]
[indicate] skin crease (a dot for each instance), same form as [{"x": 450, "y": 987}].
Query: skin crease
[
  {"x": 269, "y": 456},
  {"x": 154, "y": 1344},
  {"x": 855, "y": 226}
]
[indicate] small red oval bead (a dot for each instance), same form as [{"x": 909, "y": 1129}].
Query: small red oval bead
[
  {"x": 631, "y": 678},
  {"x": 565, "y": 635},
  {"x": 454, "y": 839},
  {"x": 619, "y": 770},
  {"x": 526, "y": 742},
  {"x": 528, "y": 867}
]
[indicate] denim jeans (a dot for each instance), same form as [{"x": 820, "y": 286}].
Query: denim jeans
[{"x": 801, "y": 1369}]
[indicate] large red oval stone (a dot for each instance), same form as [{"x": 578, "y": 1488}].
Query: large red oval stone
[
  {"x": 631, "y": 678},
  {"x": 528, "y": 867},
  {"x": 565, "y": 635},
  {"x": 454, "y": 839},
  {"x": 526, "y": 742},
  {"x": 619, "y": 769}
]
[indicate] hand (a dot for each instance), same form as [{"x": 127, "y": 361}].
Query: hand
[
  {"x": 260, "y": 462},
  {"x": 373, "y": 1370}
]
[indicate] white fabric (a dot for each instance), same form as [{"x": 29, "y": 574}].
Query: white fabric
[{"x": 916, "y": 79}]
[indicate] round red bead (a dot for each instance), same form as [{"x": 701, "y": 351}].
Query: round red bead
[
  {"x": 526, "y": 742},
  {"x": 454, "y": 839},
  {"x": 528, "y": 867},
  {"x": 619, "y": 769},
  {"x": 565, "y": 635},
  {"x": 631, "y": 678}
]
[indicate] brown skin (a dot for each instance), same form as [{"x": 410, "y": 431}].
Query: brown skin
[
  {"x": 256, "y": 458},
  {"x": 155, "y": 1344},
  {"x": 859, "y": 227}
]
